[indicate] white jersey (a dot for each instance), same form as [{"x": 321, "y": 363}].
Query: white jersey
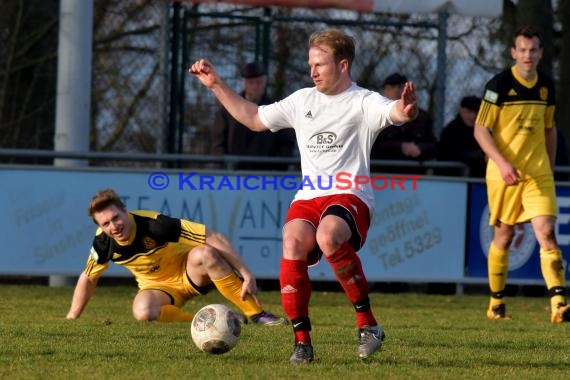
[{"x": 334, "y": 134}]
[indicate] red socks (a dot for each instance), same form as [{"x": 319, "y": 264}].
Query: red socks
[
  {"x": 348, "y": 270},
  {"x": 295, "y": 288}
]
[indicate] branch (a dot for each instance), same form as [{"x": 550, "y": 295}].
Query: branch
[{"x": 131, "y": 108}]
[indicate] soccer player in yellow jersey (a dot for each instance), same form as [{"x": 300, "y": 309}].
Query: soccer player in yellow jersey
[
  {"x": 515, "y": 129},
  {"x": 172, "y": 260}
]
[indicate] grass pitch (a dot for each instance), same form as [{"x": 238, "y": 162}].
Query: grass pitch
[{"x": 428, "y": 337}]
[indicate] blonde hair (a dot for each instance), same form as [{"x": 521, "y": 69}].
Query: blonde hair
[{"x": 342, "y": 45}]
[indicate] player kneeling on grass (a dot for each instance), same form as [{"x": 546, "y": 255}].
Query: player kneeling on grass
[{"x": 172, "y": 260}]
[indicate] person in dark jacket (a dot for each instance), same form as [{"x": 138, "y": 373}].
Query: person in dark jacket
[
  {"x": 411, "y": 141},
  {"x": 457, "y": 142},
  {"x": 229, "y": 137}
]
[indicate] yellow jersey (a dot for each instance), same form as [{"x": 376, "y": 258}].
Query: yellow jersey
[
  {"x": 517, "y": 112},
  {"x": 155, "y": 252}
]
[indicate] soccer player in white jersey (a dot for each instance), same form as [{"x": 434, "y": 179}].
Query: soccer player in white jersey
[{"x": 336, "y": 123}]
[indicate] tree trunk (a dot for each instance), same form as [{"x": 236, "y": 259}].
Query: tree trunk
[
  {"x": 563, "y": 93},
  {"x": 27, "y": 74}
]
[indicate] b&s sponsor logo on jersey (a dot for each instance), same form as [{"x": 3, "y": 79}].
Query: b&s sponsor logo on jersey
[
  {"x": 323, "y": 142},
  {"x": 522, "y": 246}
]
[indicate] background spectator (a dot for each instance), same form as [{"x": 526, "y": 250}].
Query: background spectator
[
  {"x": 229, "y": 137},
  {"x": 411, "y": 141},
  {"x": 457, "y": 142}
]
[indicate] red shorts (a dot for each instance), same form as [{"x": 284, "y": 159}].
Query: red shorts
[{"x": 346, "y": 206}]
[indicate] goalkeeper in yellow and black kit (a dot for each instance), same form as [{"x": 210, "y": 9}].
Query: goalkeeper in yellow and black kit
[
  {"x": 172, "y": 260},
  {"x": 518, "y": 110}
]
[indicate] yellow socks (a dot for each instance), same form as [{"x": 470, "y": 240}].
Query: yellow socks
[
  {"x": 230, "y": 287},
  {"x": 498, "y": 267},
  {"x": 552, "y": 268},
  {"x": 171, "y": 313},
  {"x": 551, "y": 265}
]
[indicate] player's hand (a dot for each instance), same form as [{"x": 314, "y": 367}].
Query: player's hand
[
  {"x": 409, "y": 101},
  {"x": 509, "y": 173},
  {"x": 205, "y": 72},
  {"x": 249, "y": 286}
]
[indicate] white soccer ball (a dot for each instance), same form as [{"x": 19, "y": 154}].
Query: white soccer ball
[{"x": 216, "y": 329}]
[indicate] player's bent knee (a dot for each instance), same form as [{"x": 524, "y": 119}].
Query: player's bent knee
[
  {"x": 144, "y": 314},
  {"x": 208, "y": 255},
  {"x": 295, "y": 249},
  {"x": 329, "y": 243},
  {"x": 291, "y": 244}
]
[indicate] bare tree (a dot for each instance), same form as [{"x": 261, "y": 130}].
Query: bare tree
[
  {"x": 28, "y": 42},
  {"x": 125, "y": 113},
  {"x": 126, "y": 61},
  {"x": 129, "y": 53},
  {"x": 563, "y": 100}
]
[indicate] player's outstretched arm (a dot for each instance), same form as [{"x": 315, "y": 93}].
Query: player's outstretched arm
[
  {"x": 406, "y": 108},
  {"x": 241, "y": 109},
  {"x": 81, "y": 295}
]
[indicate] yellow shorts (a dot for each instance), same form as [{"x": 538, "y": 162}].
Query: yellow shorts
[
  {"x": 179, "y": 288},
  {"x": 520, "y": 203}
]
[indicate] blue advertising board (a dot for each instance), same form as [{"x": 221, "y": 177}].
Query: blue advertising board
[
  {"x": 524, "y": 256},
  {"x": 45, "y": 229}
]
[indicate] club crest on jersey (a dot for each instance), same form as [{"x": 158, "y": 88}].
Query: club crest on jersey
[
  {"x": 148, "y": 242},
  {"x": 543, "y": 93},
  {"x": 491, "y": 96}
]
